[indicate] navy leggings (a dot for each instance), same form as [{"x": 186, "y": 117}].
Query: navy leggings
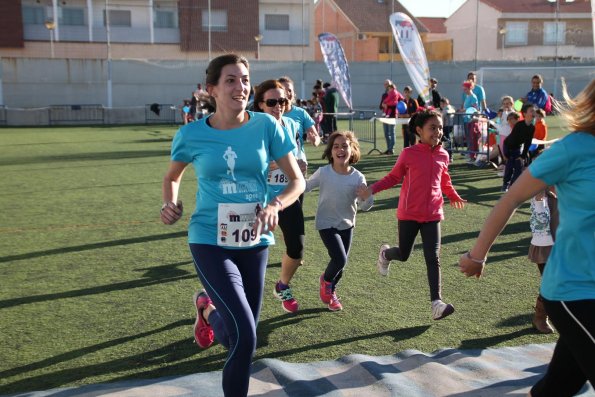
[
  {"x": 234, "y": 280},
  {"x": 337, "y": 243},
  {"x": 430, "y": 237}
]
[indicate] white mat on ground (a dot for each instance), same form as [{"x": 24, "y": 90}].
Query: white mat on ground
[{"x": 508, "y": 371}]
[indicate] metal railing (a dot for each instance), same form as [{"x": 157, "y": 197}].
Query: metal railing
[
  {"x": 76, "y": 114},
  {"x": 160, "y": 113}
]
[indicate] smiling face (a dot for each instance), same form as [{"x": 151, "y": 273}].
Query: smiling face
[
  {"x": 232, "y": 89},
  {"x": 431, "y": 132},
  {"x": 535, "y": 83},
  {"x": 276, "y": 95},
  {"x": 341, "y": 151}
]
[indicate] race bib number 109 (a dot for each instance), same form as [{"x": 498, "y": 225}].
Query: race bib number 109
[{"x": 235, "y": 224}]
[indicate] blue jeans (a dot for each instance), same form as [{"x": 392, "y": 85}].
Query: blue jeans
[
  {"x": 389, "y": 135},
  {"x": 234, "y": 280}
]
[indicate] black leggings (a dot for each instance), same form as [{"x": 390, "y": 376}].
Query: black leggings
[
  {"x": 573, "y": 362},
  {"x": 291, "y": 222},
  {"x": 337, "y": 243},
  {"x": 430, "y": 237}
]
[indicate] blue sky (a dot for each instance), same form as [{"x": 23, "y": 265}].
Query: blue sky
[{"x": 432, "y": 8}]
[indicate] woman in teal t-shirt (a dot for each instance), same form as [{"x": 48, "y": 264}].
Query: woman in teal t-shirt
[
  {"x": 228, "y": 236},
  {"x": 568, "y": 283}
]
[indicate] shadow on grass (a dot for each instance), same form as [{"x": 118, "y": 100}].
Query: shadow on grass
[
  {"x": 87, "y": 247},
  {"x": 153, "y": 276},
  {"x": 171, "y": 353},
  {"x": 482, "y": 343}
]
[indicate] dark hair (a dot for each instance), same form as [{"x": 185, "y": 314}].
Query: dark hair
[
  {"x": 348, "y": 135},
  {"x": 285, "y": 79},
  {"x": 262, "y": 89},
  {"x": 526, "y": 107},
  {"x": 217, "y": 64},
  {"x": 419, "y": 119}
]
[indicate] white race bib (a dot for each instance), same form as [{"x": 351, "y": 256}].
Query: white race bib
[
  {"x": 235, "y": 224},
  {"x": 278, "y": 178}
]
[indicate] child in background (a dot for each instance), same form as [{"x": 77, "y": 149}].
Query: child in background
[
  {"x": 520, "y": 137},
  {"x": 337, "y": 206},
  {"x": 507, "y": 106},
  {"x": 540, "y": 128},
  {"x": 423, "y": 171},
  {"x": 448, "y": 114},
  {"x": 503, "y": 132},
  {"x": 543, "y": 223},
  {"x": 412, "y": 107}
]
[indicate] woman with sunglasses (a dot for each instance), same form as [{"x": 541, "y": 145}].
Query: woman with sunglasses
[
  {"x": 228, "y": 237},
  {"x": 270, "y": 98}
]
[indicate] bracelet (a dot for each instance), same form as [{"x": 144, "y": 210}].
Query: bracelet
[
  {"x": 277, "y": 201},
  {"x": 478, "y": 261}
]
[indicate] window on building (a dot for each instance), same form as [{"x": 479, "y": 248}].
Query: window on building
[
  {"x": 164, "y": 19},
  {"x": 218, "y": 21},
  {"x": 516, "y": 33},
  {"x": 118, "y": 18},
  {"x": 276, "y": 22},
  {"x": 33, "y": 15},
  {"x": 72, "y": 16},
  {"x": 554, "y": 33}
]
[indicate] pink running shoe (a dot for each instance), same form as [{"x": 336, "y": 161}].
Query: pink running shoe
[
  {"x": 335, "y": 304},
  {"x": 288, "y": 302},
  {"x": 326, "y": 290},
  {"x": 203, "y": 333}
]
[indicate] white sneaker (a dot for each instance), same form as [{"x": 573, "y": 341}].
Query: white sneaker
[
  {"x": 382, "y": 264},
  {"x": 441, "y": 309}
]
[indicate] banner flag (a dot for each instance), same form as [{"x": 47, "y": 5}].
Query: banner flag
[
  {"x": 335, "y": 61},
  {"x": 412, "y": 51}
]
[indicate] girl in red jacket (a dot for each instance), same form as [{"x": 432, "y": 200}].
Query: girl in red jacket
[{"x": 423, "y": 171}]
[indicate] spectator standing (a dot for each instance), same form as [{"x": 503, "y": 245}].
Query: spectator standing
[
  {"x": 411, "y": 108},
  {"x": 478, "y": 91},
  {"x": 436, "y": 97},
  {"x": 389, "y": 107},
  {"x": 331, "y": 108}
]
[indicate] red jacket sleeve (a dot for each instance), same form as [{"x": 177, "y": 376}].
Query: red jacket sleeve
[
  {"x": 447, "y": 188},
  {"x": 394, "y": 177}
]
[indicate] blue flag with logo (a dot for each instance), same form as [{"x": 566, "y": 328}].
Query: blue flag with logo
[{"x": 334, "y": 58}]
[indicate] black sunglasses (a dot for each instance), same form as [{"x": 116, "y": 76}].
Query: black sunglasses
[{"x": 273, "y": 102}]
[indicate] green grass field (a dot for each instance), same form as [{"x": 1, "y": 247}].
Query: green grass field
[{"x": 94, "y": 288}]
